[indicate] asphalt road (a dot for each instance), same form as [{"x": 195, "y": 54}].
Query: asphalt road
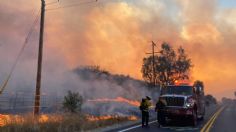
[
  {"x": 214, "y": 114},
  {"x": 226, "y": 120}
]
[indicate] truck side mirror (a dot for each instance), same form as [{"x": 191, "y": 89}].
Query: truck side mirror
[{"x": 198, "y": 90}]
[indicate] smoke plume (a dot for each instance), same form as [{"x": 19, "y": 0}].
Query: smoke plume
[{"x": 116, "y": 35}]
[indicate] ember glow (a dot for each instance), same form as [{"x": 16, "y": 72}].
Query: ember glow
[
  {"x": 109, "y": 117},
  {"x": 118, "y": 99},
  {"x": 19, "y": 119}
]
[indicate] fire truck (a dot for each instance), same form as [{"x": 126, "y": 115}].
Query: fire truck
[{"x": 181, "y": 102}]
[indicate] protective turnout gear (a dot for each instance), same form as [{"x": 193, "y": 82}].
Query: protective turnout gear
[
  {"x": 159, "y": 106},
  {"x": 144, "y": 107}
]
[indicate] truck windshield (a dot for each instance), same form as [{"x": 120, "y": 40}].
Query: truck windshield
[{"x": 178, "y": 90}]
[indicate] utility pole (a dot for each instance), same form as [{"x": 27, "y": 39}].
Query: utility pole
[
  {"x": 153, "y": 63},
  {"x": 40, "y": 57}
]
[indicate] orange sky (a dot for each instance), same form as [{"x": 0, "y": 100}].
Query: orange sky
[{"x": 115, "y": 34}]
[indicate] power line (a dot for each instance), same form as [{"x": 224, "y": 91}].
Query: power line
[
  {"x": 76, "y": 4},
  {"x": 52, "y": 3},
  {"x": 20, "y": 52},
  {"x": 72, "y": 5}
]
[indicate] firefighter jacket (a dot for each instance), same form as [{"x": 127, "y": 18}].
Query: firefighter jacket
[{"x": 145, "y": 105}]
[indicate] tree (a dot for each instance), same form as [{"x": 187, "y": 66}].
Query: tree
[
  {"x": 169, "y": 66},
  {"x": 147, "y": 71},
  {"x": 226, "y": 100},
  {"x": 72, "y": 102},
  {"x": 235, "y": 93},
  {"x": 165, "y": 65},
  {"x": 209, "y": 99},
  {"x": 183, "y": 64}
]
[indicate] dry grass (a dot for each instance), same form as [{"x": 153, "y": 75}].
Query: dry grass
[{"x": 57, "y": 123}]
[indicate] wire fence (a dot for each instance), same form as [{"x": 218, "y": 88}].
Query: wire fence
[{"x": 21, "y": 102}]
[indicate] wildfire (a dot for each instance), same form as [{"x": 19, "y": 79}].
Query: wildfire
[
  {"x": 118, "y": 99},
  {"x": 18, "y": 119},
  {"x": 109, "y": 117},
  {"x": 7, "y": 119},
  {"x": 132, "y": 118},
  {"x": 43, "y": 118}
]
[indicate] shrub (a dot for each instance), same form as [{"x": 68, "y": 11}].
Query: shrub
[{"x": 72, "y": 102}]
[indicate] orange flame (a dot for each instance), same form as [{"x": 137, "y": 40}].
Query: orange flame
[
  {"x": 43, "y": 118},
  {"x": 108, "y": 117},
  {"x": 8, "y": 119},
  {"x": 132, "y": 118},
  {"x": 118, "y": 99}
]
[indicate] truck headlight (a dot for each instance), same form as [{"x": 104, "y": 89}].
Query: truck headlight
[
  {"x": 188, "y": 105},
  {"x": 189, "y": 102}
]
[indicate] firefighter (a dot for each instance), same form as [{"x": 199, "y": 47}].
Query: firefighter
[
  {"x": 144, "y": 107},
  {"x": 160, "y": 117}
]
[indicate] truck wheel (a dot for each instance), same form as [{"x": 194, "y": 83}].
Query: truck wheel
[
  {"x": 201, "y": 118},
  {"x": 162, "y": 120},
  {"x": 194, "y": 119}
]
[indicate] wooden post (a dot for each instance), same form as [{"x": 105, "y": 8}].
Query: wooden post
[{"x": 40, "y": 56}]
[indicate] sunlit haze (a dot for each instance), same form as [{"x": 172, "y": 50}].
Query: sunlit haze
[{"x": 116, "y": 34}]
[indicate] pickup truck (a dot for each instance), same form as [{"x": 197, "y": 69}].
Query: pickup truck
[{"x": 180, "y": 102}]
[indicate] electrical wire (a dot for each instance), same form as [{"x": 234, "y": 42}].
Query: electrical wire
[
  {"x": 76, "y": 4},
  {"x": 2, "y": 88},
  {"x": 72, "y": 5},
  {"x": 52, "y": 3}
]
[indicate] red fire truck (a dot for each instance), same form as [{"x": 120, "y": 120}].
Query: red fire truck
[{"x": 184, "y": 102}]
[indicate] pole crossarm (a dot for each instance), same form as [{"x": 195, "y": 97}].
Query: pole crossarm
[{"x": 154, "y": 52}]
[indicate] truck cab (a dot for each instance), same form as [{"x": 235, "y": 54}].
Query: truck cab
[{"x": 181, "y": 102}]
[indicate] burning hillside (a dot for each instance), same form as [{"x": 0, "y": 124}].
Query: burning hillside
[
  {"x": 111, "y": 94},
  {"x": 103, "y": 93},
  {"x": 118, "y": 99}
]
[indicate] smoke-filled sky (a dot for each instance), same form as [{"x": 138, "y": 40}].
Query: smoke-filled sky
[{"x": 116, "y": 34}]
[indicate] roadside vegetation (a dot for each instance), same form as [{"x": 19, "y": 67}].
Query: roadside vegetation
[
  {"x": 72, "y": 102},
  {"x": 72, "y": 119},
  {"x": 57, "y": 123},
  {"x": 210, "y": 100},
  {"x": 225, "y": 100}
]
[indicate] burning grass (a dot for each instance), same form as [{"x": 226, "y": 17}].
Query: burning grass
[
  {"x": 58, "y": 123},
  {"x": 118, "y": 99}
]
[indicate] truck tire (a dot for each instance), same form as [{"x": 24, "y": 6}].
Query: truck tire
[
  {"x": 194, "y": 119},
  {"x": 161, "y": 119},
  {"x": 201, "y": 118}
]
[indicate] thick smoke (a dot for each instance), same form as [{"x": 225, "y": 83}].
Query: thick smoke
[{"x": 116, "y": 35}]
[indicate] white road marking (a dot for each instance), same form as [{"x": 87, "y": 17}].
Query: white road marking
[
  {"x": 133, "y": 127},
  {"x": 171, "y": 128}
]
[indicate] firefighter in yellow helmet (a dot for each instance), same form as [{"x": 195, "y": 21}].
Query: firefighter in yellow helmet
[{"x": 144, "y": 107}]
